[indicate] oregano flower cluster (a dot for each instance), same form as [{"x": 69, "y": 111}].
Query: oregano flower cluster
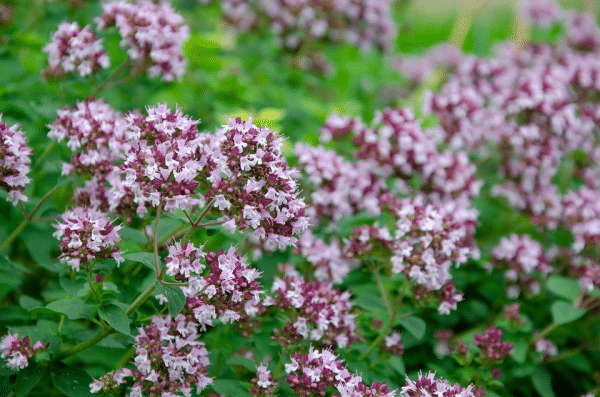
[{"x": 15, "y": 160}]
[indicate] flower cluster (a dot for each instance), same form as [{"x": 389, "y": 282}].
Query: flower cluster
[
  {"x": 313, "y": 373},
  {"x": 535, "y": 107},
  {"x": 337, "y": 187},
  {"x": 264, "y": 384},
  {"x": 581, "y": 212},
  {"x": 73, "y": 49},
  {"x": 317, "y": 311},
  {"x": 421, "y": 68},
  {"x": 547, "y": 348},
  {"x": 493, "y": 349},
  {"x": 540, "y": 13},
  {"x": 429, "y": 238},
  {"x": 512, "y": 315},
  {"x": 230, "y": 291},
  {"x": 15, "y": 157},
  {"x": 95, "y": 133},
  {"x": 85, "y": 235},
  {"x": 392, "y": 343},
  {"x": 587, "y": 271},
  {"x": 161, "y": 164},
  {"x": 183, "y": 261},
  {"x": 18, "y": 351},
  {"x": 328, "y": 261},
  {"x": 427, "y": 385},
  {"x": 169, "y": 360},
  {"x": 253, "y": 186},
  {"x": 403, "y": 150},
  {"x": 152, "y": 33},
  {"x": 363, "y": 23},
  {"x": 521, "y": 257},
  {"x": 337, "y": 127}
]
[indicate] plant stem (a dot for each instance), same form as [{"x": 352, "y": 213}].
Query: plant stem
[
  {"x": 28, "y": 219},
  {"x": 565, "y": 355},
  {"x": 125, "y": 359},
  {"x": 280, "y": 363},
  {"x": 43, "y": 156},
  {"x": 111, "y": 77},
  {"x": 383, "y": 292},
  {"x": 188, "y": 234},
  {"x": 210, "y": 223},
  {"x": 155, "y": 239},
  {"x": 107, "y": 331},
  {"x": 549, "y": 328},
  {"x": 89, "y": 280},
  {"x": 390, "y": 323},
  {"x": 61, "y": 324}
]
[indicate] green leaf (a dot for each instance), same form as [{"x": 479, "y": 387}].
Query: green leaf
[
  {"x": 370, "y": 302},
  {"x": 542, "y": 382},
  {"x": 128, "y": 233},
  {"x": 10, "y": 266},
  {"x": 243, "y": 361},
  {"x": 229, "y": 388},
  {"x": 564, "y": 312},
  {"x": 73, "y": 382},
  {"x": 519, "y": 352},
  {"x": 564, "y": 287},
  {"x": 398, "y": 365},
  {"x": 415, "y": 326},
  {"x": 116, "y": 318},
  {"x": 29, "y": 303},
  {"x": 145, "y": 258},
  {"x": 27, "y": 379},
  {"x": 72, "y": 287},
  {"x": 175, "y": 297},
  {"x": 72, "y": 308}
]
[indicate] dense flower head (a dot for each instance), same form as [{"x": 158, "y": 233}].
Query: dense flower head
[
  {"x": 338, "y": 126},
  {"x": 392, "y": 343},
  {"x": 366, "y": 24},
  {"x": 18, "y": 351},
  {"x": 581, "y": 213},
  {"x": 430, "y": 238},
  {"x": 169, "y": 359},
  {"x": 337, "y": 187},
  {"x": 520, "y": 256},
  {"x": 73, "y": 49},
  {"x": 230, "y": 291},
  {"x": 587, "y": 271},
  {"x": 253, "y": 186},
  {"x": 427, "y": 385},
  {"x": 547, "y": 348},
  {"x": 94, "y": 132},
  {"x": 512, "y": 315},
  {"x": 183, "y": 261},
  {"x": 161, "y": 166},
  {"x": 534, "y": 106},
  {"x": 420, "y": 68},
  {"x": 152, "y": 33},
  {"x": 493, "y": 348},
  {"x": 263, "y": 385},
  {"x": 313, "y": 373},
  {"x": 540, "y": 13},
  {"x": 86, "y": 235},
  {"x": 396, "y": 141},
  {"x": 317, "y": 311},
  {"x": 328, "y": 261},
  {"x": 15, "y": 157}
]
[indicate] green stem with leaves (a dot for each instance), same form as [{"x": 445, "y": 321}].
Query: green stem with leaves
[
  {"x": 27, "y": 219},
  {"x": 390, "y": 324}
]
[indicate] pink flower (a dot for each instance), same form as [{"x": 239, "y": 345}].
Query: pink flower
[
  {"x": 152, "y": 33},
  {"x": 74, "y": 50},
  {"x": 15, "y": 157},
  {"x": 426, "y": 386},
  {"x": 86, "y": 235},
  {"x": 18, "y": 351}
]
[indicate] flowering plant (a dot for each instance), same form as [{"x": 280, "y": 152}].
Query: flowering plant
[{"x": 157, "y": 242}]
